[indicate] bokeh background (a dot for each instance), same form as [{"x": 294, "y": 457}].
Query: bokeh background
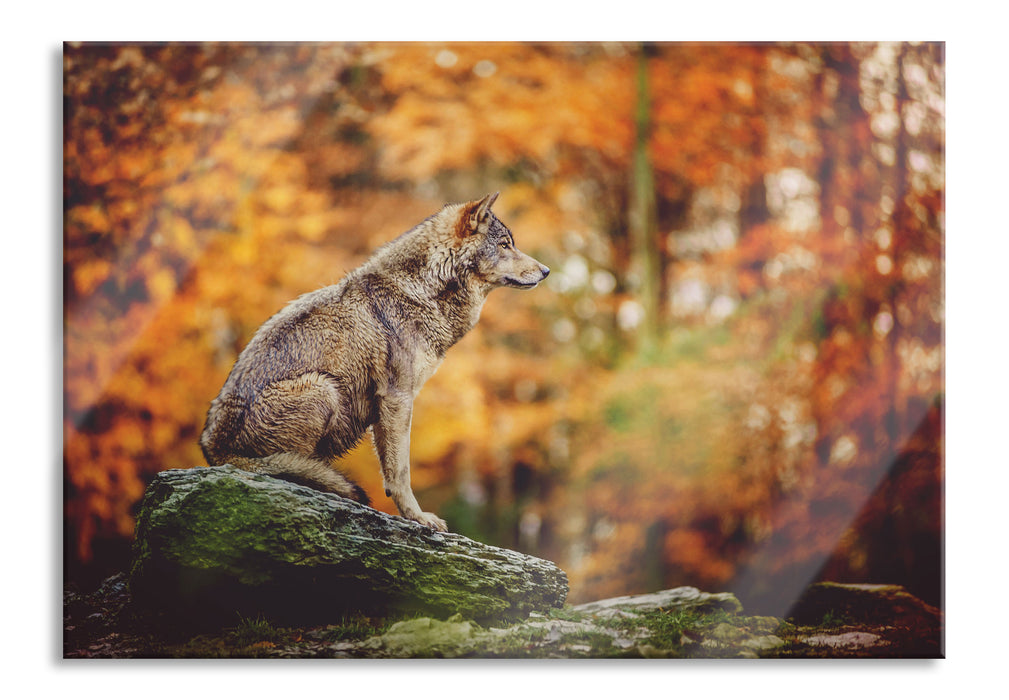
[{"x": 732, "y": 379}]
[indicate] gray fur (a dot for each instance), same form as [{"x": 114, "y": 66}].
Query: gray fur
[{"x": 344, "y": 358}]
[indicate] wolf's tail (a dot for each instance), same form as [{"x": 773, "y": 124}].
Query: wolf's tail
[{"x": 303, "y": 470}]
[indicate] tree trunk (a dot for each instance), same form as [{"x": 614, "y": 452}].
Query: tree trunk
[{"x": 642, "y": 217}]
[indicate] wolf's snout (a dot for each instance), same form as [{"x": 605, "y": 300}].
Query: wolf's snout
[{"x": 528, "y": 278}]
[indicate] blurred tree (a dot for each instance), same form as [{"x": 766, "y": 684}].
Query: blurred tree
[
  {"x": 642, "y": 215},
  {"x": 176, "y": 182},
  {"x": 877, "y": 326},
  {"x": 786, "y": 202}
]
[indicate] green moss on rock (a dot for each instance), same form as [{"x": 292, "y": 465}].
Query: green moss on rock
[{"x": 221, "y": 540}]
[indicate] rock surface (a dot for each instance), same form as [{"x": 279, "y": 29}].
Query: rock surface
[
  {"x": 862, "y": 602},
  {"x": 100, "y": 625},
  {"x": 274, "y": 570},
  {"x": 213, "y": 542},
  {"x": 683, "y": 598}
]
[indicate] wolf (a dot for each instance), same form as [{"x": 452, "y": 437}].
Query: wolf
[{"x": 354, "y": 355}]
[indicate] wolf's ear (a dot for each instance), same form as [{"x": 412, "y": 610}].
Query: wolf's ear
[{"x": 479, "y": 211}]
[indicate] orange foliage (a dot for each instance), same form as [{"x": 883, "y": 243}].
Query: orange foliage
[
  {"x": 464, "y": 105},
  {"x": 801, "y": 348}
]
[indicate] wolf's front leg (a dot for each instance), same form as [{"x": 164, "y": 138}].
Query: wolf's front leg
[{"x": 392, "y": 441}]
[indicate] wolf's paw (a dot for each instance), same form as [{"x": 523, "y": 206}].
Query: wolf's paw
[{"x": 432, "y": 521}]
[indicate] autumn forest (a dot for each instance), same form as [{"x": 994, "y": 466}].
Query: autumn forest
[{"x": 733, "y": 377}]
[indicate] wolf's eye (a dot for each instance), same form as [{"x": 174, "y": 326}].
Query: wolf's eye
[{"x": 505, "y": 243}]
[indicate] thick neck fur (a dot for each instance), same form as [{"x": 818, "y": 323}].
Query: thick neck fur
[{"x": 423, "y": 282}]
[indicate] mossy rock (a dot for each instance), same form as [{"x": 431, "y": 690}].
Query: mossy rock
[
  {"x": 215, "y": 542},
  {"x": 862, "y": 602}
]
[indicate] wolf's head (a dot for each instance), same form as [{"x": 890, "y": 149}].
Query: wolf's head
[{"x": 488, "y": 249}]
